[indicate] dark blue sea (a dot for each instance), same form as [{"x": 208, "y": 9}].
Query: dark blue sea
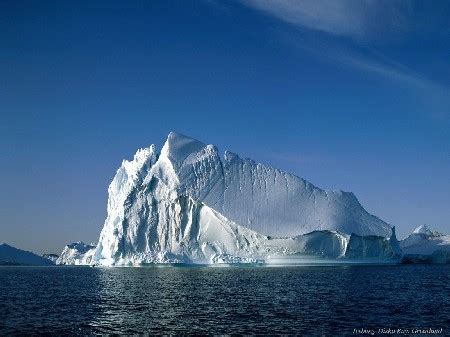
[{"x": 313, "y": 300}]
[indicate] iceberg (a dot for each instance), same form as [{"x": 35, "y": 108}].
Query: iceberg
[
  {"x": 77, "y": 253},
  {"x": 424, "y": 245},
  {"x": 186, "y": 204}
]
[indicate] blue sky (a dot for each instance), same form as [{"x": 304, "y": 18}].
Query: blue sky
[{"x": 351, "y": 95}]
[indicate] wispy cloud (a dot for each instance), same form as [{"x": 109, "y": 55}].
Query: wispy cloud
[
  {"x": 392, "y": 70},
  {"x": 351, "y": 18},
  {"x": 434, "y": 95},
  {"x": 358, "y": 20},
  {"x": 217, "y": 4}
]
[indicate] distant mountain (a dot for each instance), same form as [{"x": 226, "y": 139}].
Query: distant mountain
[{"x": 13, "y": 256}]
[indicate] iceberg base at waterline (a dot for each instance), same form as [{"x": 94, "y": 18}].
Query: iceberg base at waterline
[{"x": 233, "y": 245}]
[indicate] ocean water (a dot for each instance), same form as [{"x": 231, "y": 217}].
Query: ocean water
[{"x": 313, "y": 300}]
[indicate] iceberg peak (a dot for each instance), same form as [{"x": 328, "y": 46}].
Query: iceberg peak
[{"x": 178, "y": 147}]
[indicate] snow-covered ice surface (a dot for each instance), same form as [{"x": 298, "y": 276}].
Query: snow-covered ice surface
[
  {"x": 185, "y": 204},
  {"x": 262, "y": 198},
  {"x": 77, "y": 253}
]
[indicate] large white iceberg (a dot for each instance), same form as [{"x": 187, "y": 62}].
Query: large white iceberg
[{"x": 187, "y": 204}]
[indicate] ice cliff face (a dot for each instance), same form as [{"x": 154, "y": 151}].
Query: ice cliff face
[
  {"x": 185, "y": 203},
  {"x": 176, "y": 230},
  {"x": 373, "y": 247}
]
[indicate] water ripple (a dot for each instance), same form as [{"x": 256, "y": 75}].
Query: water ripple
[{"x": 201, "y": 300}]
